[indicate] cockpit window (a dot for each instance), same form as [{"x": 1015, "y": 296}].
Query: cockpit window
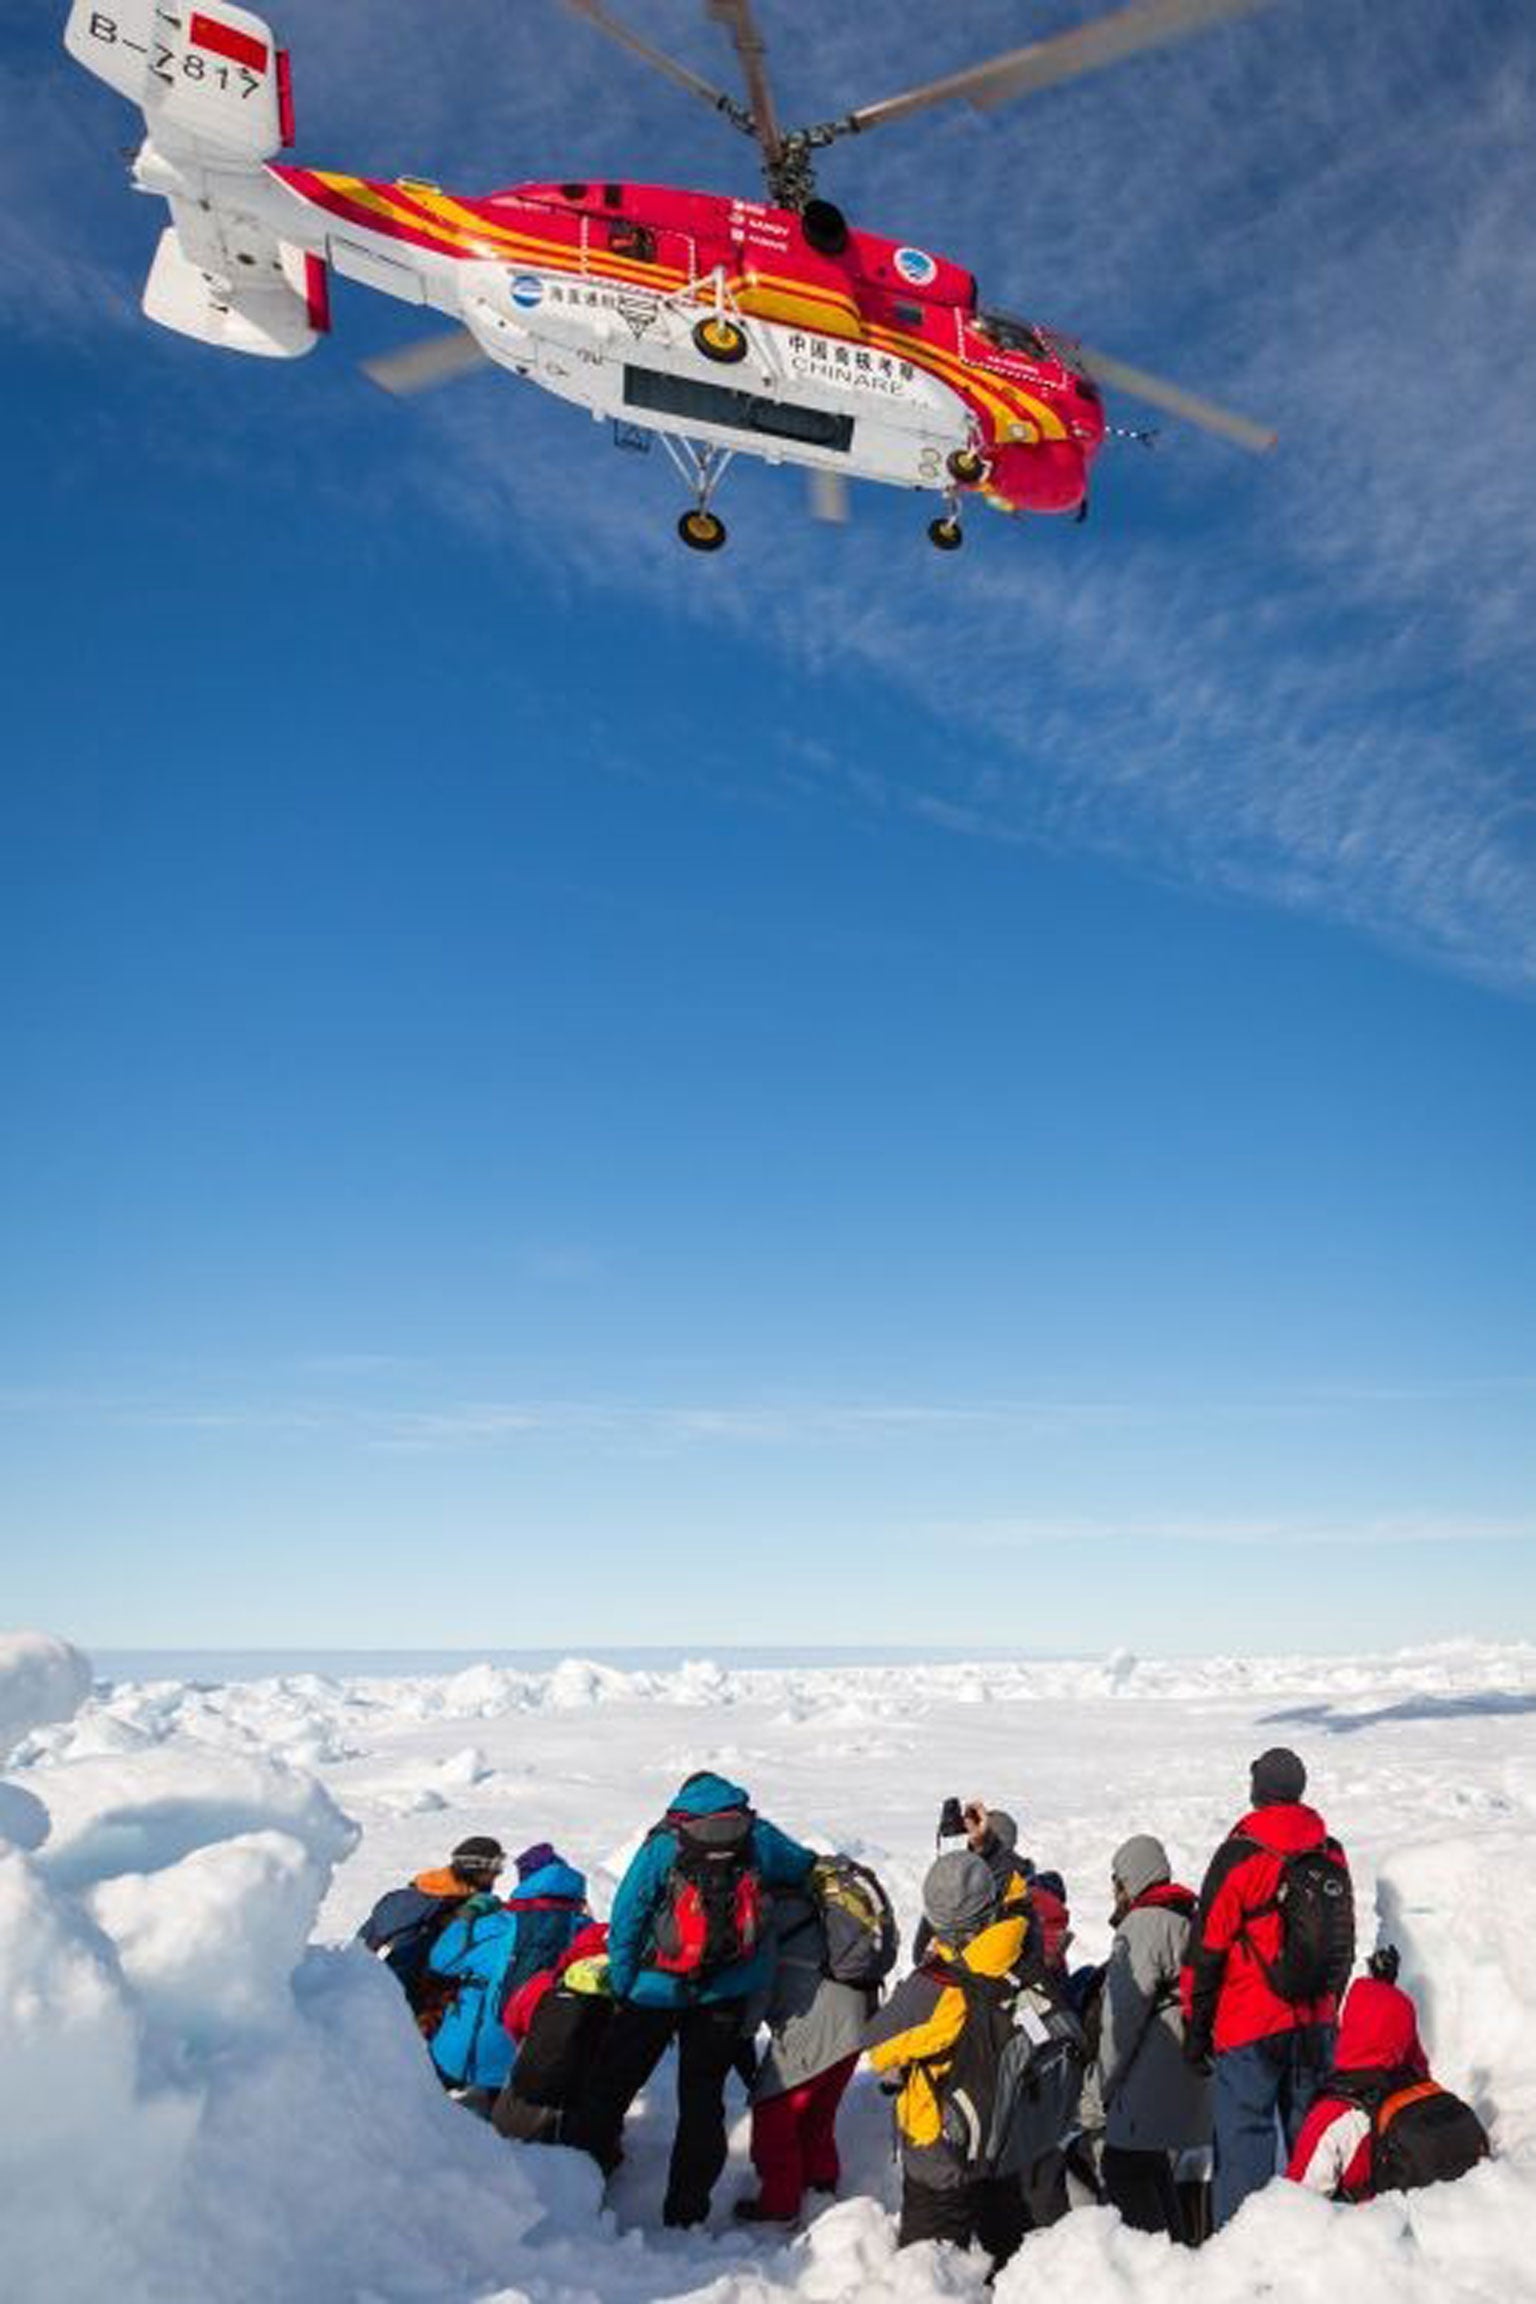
[{"x": 1012, "y": 335}]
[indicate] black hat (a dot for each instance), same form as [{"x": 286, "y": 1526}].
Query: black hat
[
  {"x": 478, "y": 1854},
  {"x": 1277, "y": 1777}
]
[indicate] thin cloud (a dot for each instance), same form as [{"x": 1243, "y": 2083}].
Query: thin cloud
[{"x": 1279, "y": 1534}]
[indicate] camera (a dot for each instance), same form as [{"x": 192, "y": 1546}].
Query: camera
[{"x": 951, "y": 1820}]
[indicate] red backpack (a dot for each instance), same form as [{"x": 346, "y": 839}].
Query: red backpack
[{"x": 713, "y": 1906}]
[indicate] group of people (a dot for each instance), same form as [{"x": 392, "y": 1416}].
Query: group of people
[{"x": 1222, "y": 2033}]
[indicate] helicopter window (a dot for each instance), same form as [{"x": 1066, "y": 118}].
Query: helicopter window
[
  {"x": 907, "y": 315},
  {"x": 1011, "y": 335},
  {"x": 636, "y": 240},
  {"x": 737, "y": 411}
]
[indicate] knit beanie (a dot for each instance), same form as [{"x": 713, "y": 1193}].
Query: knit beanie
[
  {"x": 478, "y": 1854},
  {"x": 534, "y": 1859},
  {"x": 1277, "y": 1776},
  {"x": 959, "y": 1896}
]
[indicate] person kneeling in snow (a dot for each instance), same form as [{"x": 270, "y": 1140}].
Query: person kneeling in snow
[
  {"x": 1379, "y": 2123},
  {"x": 488, "y": 1952},
  {"x": 971, "y": 1955},
  {"x": 404, "y": 1925},
  {"x": 557, "y": 2023}
]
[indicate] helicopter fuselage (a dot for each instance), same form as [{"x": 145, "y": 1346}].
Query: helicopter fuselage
[{"x": 871, "y": 360}]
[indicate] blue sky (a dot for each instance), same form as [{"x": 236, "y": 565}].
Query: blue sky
[{"x": 561, "y": 1092}]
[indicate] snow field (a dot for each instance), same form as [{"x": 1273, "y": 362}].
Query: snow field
[{"x": 202, "y": 2101}]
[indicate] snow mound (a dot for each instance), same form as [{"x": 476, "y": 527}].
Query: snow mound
[
  {"x": 41, "y": 1679},
  {"x": 146, "y": 1812},
  {"x": 196, "y": 2104}
]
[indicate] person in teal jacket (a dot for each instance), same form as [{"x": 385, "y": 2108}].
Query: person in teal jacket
[
  {"x": 492, "y": 1949},
  {"x": 688, "y": 1948}
]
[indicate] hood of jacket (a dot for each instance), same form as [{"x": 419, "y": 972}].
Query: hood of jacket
[
  {"x": 559, "y": 1881},
  {"x": 589, "y": 1943},
  {"x": 1284, "y": 1828},
  {"x": 444, "y": 1881},
  {"x": 1378, "y": 2031},
  {"x": 1166, "y": 1895},
  {"x": 991, "y": 1953},
  {"x": 706, "y": 1793},
  {"x": 1139, "y": 1863}
]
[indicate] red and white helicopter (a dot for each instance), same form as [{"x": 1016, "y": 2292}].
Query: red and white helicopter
[{"x": 722, "y": 325}]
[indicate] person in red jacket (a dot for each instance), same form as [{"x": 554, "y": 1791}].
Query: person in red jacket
[
  {"x": 1271, "y": 1947},
  {"x": 1378, "y": 2049}
]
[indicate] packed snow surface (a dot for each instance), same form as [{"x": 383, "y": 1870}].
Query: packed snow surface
[{"x": 209, "y": 2094}]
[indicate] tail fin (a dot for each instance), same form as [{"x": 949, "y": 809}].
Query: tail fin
[
  {"x": 209, "y": 78},
  {"x": 213, "y": 87}
]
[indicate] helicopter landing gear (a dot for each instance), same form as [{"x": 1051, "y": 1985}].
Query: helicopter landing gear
[
  {"x": 719, "y": 338},
  {"x": 967, "y": 465},
  {"x": 946, "y": 534},
  {"x": 702, "y": 467},
  {"x": 702, "y": 531}
]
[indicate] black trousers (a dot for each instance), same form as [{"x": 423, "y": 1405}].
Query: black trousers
[
  {"x": 991, "y": 2211},
  {"x": 708, "y": 2038},
  {"x": 1140, "y": 2185}
]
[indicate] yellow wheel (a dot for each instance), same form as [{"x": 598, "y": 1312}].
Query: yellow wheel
[
  {"x": 720, "y": 339},
  {"x": 945, "y": 535},
  {"x": 966, "y": 466},
  {"x": 701, "y": 531}
]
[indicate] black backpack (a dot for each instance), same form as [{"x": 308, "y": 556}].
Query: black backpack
[
  {"x": 1315, "y": 1899},
  {"x": 564, "y": 2043},
  {"x": 713, "y": 1907},
  {"x": 1423, "y": 2135},
  {"x": 1010, "y": 2091}
]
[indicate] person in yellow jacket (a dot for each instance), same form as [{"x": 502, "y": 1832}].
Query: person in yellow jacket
[{"x": 912, "y": 2044}]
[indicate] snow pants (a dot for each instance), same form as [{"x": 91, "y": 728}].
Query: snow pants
[
  {"x": 1266, "y": 2081},
  {"x": 1140, "y": 2185},
  {"x": 990, "y": 2211},
  {"x": 708, "y": 2037},
  {"x": 794, "y": 2140}
]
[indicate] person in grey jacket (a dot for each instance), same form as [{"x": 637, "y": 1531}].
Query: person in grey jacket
[
  {"x": 1155, "y": 2104},
  {"x": 816, "y": 2029}
]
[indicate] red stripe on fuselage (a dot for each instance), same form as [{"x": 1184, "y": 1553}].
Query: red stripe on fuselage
[
  {"x": 320, "y": 195},
  {"x": 223, "y": 40}
]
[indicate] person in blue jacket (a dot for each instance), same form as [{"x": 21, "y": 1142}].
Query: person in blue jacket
[
  {"x": 489, "y": 1952},
  {"x": 688, "y": 1947}
]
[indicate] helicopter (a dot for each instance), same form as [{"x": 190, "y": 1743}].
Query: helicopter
[{"x": 721, "y": 325}]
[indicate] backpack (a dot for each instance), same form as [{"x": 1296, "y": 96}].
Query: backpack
[
  {"x": 857, "y": 1921},
  {"x": 1422, "y": 2135},
  {"x": 565, "y": 2040},
  {"x": 1315, "y": 1900},
  {"x": 713, "y": 1906},
  {"x": 401, "y": 1931},
  {"x": 1010, "y": 2092}
]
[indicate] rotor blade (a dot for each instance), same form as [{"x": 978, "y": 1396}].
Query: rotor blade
[
  {"x": 1064, "y": 56},
  {"x": 417, "y": 367},
  {"x": 829, "y": 495},
  {"x": 739, "y": 21},
  {"x": 668, "y": 66},
  {"x": 1159, "y": 393}
]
